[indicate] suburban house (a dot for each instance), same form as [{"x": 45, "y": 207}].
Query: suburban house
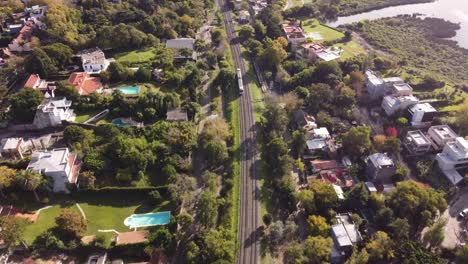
[
  {"x": 94, "y": 60},
  {"x": 14, "y": 28},
  {"x": 392, "y": 104},
  {"x": 244, "y": 16},
  {"x": 177, "y": 115},
  {"x": 316, "y": 144},
  {"x": 441, "y": 135},
  {"x": 417, "y": 143},
  {"x": 345, "y": 235},
  {"x": 51, "y": 112},
  {"x": 84, "y": 83},
  {"x": 380, "y": 168},
  {"x": 60, "y": 164},
  {"x": 306, "y": 122},
  {"x": 294, "y": 33},
  {"x": 313, "y": 51},
  {"x": 22, "y": 42},
  {"x": 259, "y": 5},
  {"x": 35, "y": 82},
  {"x": 453, "y": 157},
  {"x": 36, "y": 15},
  {"x": 181, "y": 44},
  {"x": 375, "y": 85},
  {"x": 12, "y": 148},
  {"x": 422, "y": 114}
]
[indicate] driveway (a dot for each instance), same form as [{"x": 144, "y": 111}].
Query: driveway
[{"x": 454, "y": 225}]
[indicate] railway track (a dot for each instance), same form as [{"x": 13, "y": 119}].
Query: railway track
[{"x": 249, "y": 203}]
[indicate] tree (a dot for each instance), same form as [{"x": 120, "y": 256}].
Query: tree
[
  {"x": 143, "y": 75},
  {"x": 320, "y": 97},
  {"x": 273, "y": 54},
  {"x": 411, "y": 201},
  {"x": 412, "y": 252},
  {"x": 358, "y": 196},
  {"x": 298, "y": 143},
  {"x": 216, "y": 152},
  {"x": 275, "y": 153},
  {"x": 207, "y": 209},
  {"x": 66, "y": 89},
  {"x": 71, "y": 224},
  {"x": 318, "y": 226},
  {"x": 39, "y": 62},
  {"x": 380, "y": 247},
  {"x": 87, "y": 179},
  {"x": 60, "y": 54},
  {"x": 328, "y": 72},
  {"x": 7, "y": 177},
  {"x": 273, "y": 121},
  {"x": 317, "y": 249},
  {"x": 392, "y": 146},
  {"x": 267, "y": 218},
  {"x": 12, "y": 230},
  {"x": 435, "y": 235},
  {"x": 358, "y": 257},
  {"x": 379, "y": 141},
  {"x": 400, "y": 229},
  {"x": 218, "y": 246},
  {"x": 357, "y": 141},
  {"x": 217, "y": 35},
  {"x": 161, "y": 238},
  {"x": 462, "y": 255},
  {"x": 24, "y": 104},
  {"x": 461, "y": 119},
  {"x": 75, "y": 134},
  {"x": 276, "y": 235},
  {"x": 324, "y": 119},
  {"x": 346, "y": 98},
  {"x": 118, "y": 72},
  {"x": 246, "y": 32},
  {"x": 324, "y": 195},
  {"x": 30, "y": 181},
  {"x": 294, "y": 253}
]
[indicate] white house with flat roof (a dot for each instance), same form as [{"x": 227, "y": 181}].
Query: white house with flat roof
[
  {"x": 417, "y": 143},
  {"x": 12, "y": 148},
  {"x": 59, "y": 164},
  {"x": 391, "y": 103},
  {"x": 52, "y": 111},
  {"x": 453, "y": 157},
  {"x": 345, "y": 235},
  {"x": 422, "y": 114},
  {"x": 441, "y": 135},
  {"x": 375, "y": 85},
  {"x": 399, "y": 89},
  {"x": 380, "y": 168}
]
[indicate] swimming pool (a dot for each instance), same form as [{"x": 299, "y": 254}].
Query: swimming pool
[
  {"x": 151, "y": 219},
  {"x": 129, "y": 90},
  {"x": 120, "y": 122}
]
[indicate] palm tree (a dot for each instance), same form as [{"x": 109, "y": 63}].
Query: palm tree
[
  {"x": 30, "y": 181},
  {"x": 6, "y": 178}
]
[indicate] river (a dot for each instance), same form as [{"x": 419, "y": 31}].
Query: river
[{"x": 455, "y": 11}]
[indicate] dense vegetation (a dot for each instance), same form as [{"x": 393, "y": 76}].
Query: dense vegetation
[{"x": 432, "y": 56}]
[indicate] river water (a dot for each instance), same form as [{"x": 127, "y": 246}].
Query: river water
[{"x": 452, "y": 10}]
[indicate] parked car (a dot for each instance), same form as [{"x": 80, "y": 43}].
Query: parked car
[{"x": 463, "y": 214}]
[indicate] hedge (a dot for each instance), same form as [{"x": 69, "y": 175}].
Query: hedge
[{"x": 116, "y": 190}]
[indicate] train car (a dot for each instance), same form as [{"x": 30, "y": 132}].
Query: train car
[{"x": 239, "y": 80}]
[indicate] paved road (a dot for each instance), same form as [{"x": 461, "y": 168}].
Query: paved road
[{"x": 249, "y": 205}]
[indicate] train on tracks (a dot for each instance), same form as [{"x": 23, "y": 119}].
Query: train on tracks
[{"x": 239, "y": 81}]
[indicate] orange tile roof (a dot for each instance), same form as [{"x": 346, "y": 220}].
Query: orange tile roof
[
  {"x": 84, "y": 83},
  {"x": 32, "y": 80},
  {"x": 324, "y": 164},
  {"x": 25, "y": 34}
]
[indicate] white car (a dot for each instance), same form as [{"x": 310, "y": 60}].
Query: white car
[{"x": 463, "y": 214}]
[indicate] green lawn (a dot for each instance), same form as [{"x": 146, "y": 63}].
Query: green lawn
[
  {"x": 136, "y": 57},
  {"x": 350, "y": 49},
  {"x": 328, "y": 34},
  {"x": 101, "y": 212}
]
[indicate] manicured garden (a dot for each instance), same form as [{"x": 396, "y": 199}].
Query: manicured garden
[{"x": 139, "y": 56}]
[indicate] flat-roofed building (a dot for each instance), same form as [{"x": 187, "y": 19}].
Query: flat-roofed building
[
  {"x": 59, "y": 164},
  {"x": 417, "y": 143},
  {"x": 400, "y": 89},
  {"x": 422, "y": 114},
  {"x": 392, "y": 104},
  {"x": 51, "y": 112},
  {"x": 453, "y": 157},
  {"x": 440, "y": 135},
  {"x": 375, "y": 85},
  {"x": 380, "y": 168},
  {"x": 12, "y": 148},
  {"x": 345, "y": 235}
]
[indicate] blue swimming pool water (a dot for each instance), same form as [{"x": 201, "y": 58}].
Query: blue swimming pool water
[
  {"x": 151, "y": 219},
  {"x": 129, "y": 90},
  {"x": 119, "y": 122}
]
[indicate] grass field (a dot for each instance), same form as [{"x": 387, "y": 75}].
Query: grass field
[
  {"x": 101, "y": 213},
  {"x": 350, "y": 49},
  {"x": 136, "y": 57}
]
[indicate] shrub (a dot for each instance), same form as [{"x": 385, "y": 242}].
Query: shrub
[{"x": 155, "y": 197}]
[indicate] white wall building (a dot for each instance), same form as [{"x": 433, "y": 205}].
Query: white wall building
[
  {"x": 440, "y": 135},
  {"x": 51, "y": 112},
  {"x": 60, "y": 164},
  {"x": 94, "y": 60},
  {"x": 417, "y": 143},
  {"x": 391, "y": 104},
  {"x": 453, "y": 157},
  {"x": 375, "y": 85},
  {"x": 422, "y": 114}
]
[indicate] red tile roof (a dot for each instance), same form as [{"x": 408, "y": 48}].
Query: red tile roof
[
  {"x": 324, "y": 164},
  {"x": 313, "y": 46},
  {"x": 84, "y": 83},
  {"x": 32, "y": 80},
  {"x": 132, "y": 237},
  {"x": 25, "y": 34}
]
